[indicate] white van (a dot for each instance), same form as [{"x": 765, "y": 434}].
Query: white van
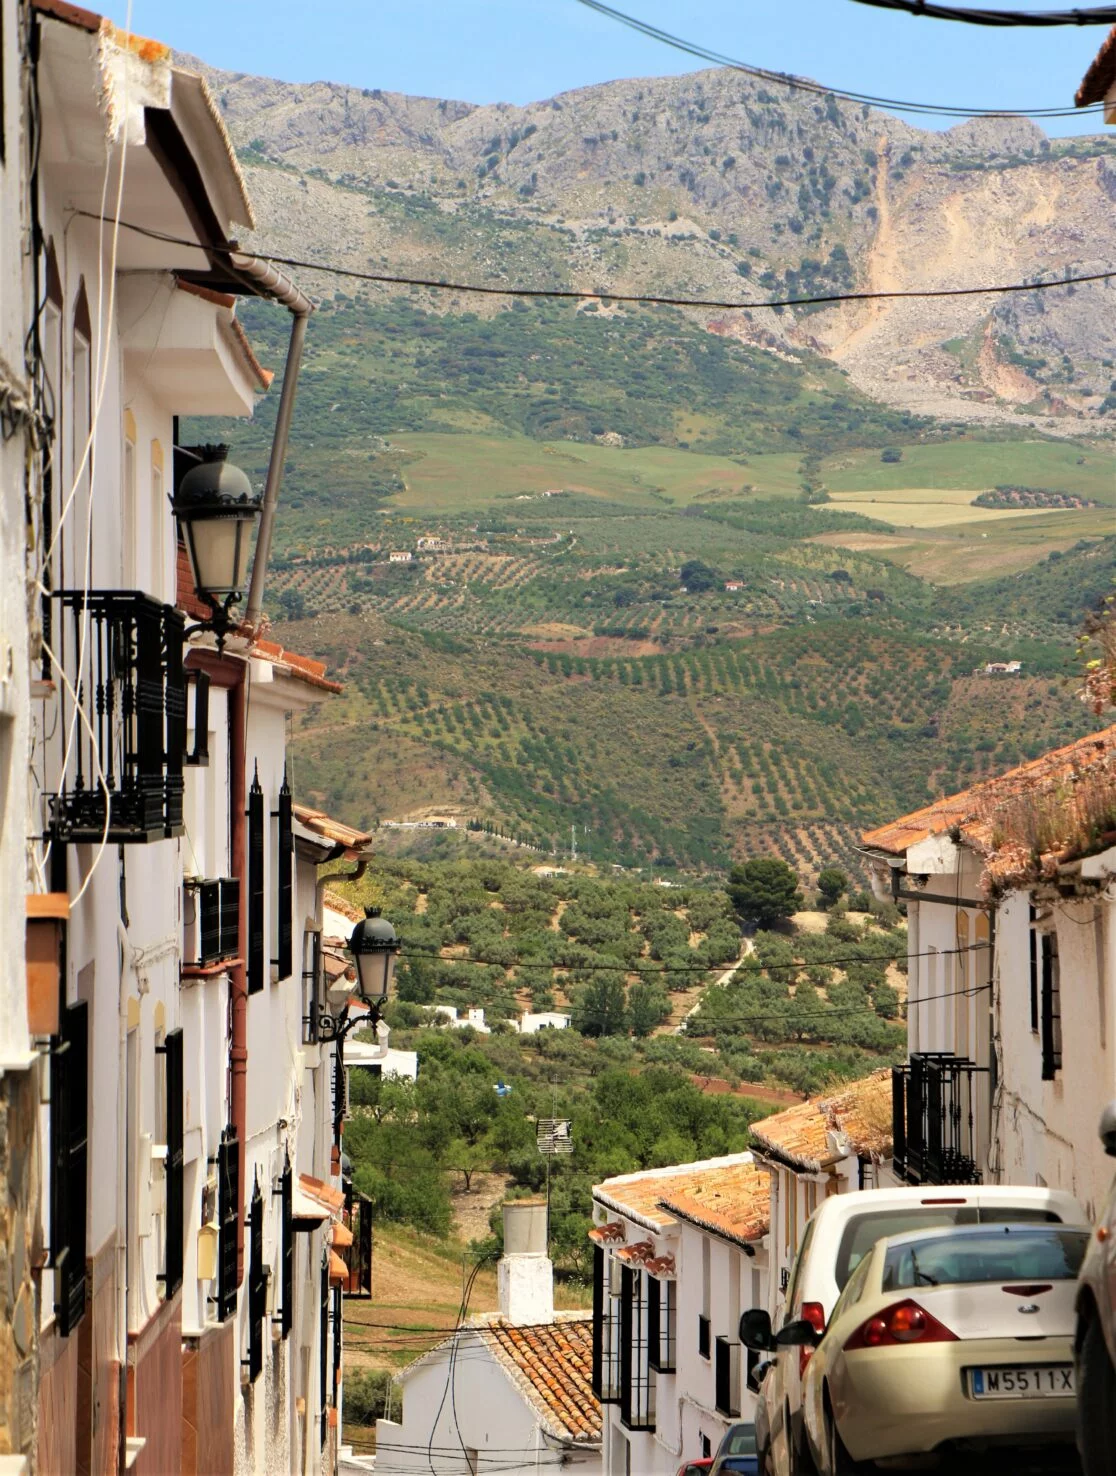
[{"x": 838, "y": 1235}]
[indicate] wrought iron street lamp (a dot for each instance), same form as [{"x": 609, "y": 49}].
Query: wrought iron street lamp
[
  {"x": 375, "y": 948},
  {"x": 216, "y": 508}
]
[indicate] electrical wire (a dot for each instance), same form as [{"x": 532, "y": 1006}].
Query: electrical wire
[
  {"x": 561, "y": 294},
  {"x": 1104, "y": 15},
  {"x": 803, "y": 84}
]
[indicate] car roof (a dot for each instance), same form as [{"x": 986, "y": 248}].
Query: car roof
[
  {"x": 868, "y": 1201},
  {"x": 955, "y": 1232}
]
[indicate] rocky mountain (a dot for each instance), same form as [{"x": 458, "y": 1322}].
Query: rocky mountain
[{"x": 715, "y": 185}]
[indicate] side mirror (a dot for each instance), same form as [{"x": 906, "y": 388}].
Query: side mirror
[
  {"x": 758, "y": 1374},
  {"x": 801, "y": 1334},
  {"x": 1108, "y": 1129},
  {"x": 755, "y": 1331}
]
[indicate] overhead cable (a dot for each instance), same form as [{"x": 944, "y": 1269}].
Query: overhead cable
[
  {"x": 804, "y": 84},
  {"x": 1103, "y": 15},
  {"x": 569, "y": 294}
]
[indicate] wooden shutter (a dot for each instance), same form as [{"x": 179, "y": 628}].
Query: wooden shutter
[
  {"x": 337, "y": 1326},
  {"x": 209, "y": 921},
  {"x": 199, "y": 754},
  {"x": 1034, "y": 942},
  {"x": 257, "y": 955},
  {"x": 1051, "y": 1009},
  {"x": 230, "y": 916},
  {"x": 175, "y": 1170},
  {"x": 284, "y": 882},
  {"x": 228, "y": 1209},
  {"x": 286, "y": 1249},
  {"x": 257, "y": 1286},
  {"x": 69, "y": 1083},
  {"x": 598, "y": 1319}
]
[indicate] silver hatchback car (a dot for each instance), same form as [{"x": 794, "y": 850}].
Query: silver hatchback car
[{"x": 1095, "y": 1341}]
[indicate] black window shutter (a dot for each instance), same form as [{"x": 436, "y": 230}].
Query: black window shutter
[
  {"x": 286, "y": 1251},
  {"x": 323, "y": 1350},
  {"x": 1051, "y": 1009},
  {"x": 285, "y": 882},
  {"x": 654, "y": 1324},
  {"x": 257, "y": 955},
  {"x": 598, "y": 1318},
  {"x": 1034, "y": 968},
  {"x": 230, "y": 916},
  {"x": 199, "y": 754},
  {"x": 69, "y": 1080},
  {"x": 257, "y": 1286},
  {"x": 172, "y": 1263},
  {"x": 209, "y": 921},
  {"x": 228, "y": 1207},
  {"x": 627, "y": 1297},
  {"x": 337, "y": 1326},
  {"x": 364, "y": 1247}
]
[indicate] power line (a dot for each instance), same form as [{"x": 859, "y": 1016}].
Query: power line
[
  {"x": 435, "y": 956},
  {"x": 1104, "y": 15},
  {"x": 803, "y": 84},
  {"x": 562, "y": 294}
]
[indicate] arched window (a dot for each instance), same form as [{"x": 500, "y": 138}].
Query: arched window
[{"x": 76, "y": 517}]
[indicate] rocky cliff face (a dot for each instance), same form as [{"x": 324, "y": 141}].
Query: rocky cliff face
[{"x": 714, "y": 185}]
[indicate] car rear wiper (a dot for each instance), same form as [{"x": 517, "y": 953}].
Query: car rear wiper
[{"x": 922, "y": 1278}]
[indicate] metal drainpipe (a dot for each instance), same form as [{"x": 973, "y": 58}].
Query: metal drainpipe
[{"x": 272, "y": 283}]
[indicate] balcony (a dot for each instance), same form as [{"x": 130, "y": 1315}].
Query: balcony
[
  {"x": 122, "y": 656},
  {"x": 726, "y": 1377},
  {"x": 933, "y": 1112}
]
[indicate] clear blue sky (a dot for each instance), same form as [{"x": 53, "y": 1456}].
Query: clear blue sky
[{"x": 522, "y": 50}]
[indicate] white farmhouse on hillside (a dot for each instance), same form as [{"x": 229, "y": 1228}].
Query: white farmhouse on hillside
[
  {"x": 1011, "y": 901},
  {"x": 678, "y": 1254},
  {"x": 531, "y": 1024}
]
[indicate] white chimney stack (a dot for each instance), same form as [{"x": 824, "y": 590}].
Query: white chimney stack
[{"x": 525, "y": 1273}]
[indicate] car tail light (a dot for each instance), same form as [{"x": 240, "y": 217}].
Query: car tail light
[
  {"x": 905, "y": 1322},
  {"x": 814, "y": 1314}
]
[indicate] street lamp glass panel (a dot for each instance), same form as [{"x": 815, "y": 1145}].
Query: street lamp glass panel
[
  {"x": 218, "y": 549},
  {"x": 374, "y": 948}
]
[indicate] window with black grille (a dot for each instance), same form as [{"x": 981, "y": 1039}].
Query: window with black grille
[
  {"x": 1051, "y": 1007},
  {"x": 726, "y": 1376},
  {"x": 606, "y": 1331},
  {"x": 311, "y": 991},
  {"x": 637, "y": 1389},
  {"x": 257, "y": 1285},
  {"x": 69, "y": 1134},
  {"x": 171, "y": 1051},
  {"x": 662, "y": 1320},
  {"x": 284, "y": 883},
  {"x": 197, "y": 688},
  {"x": 228, "y": 1208},
  {"x": 257, "y": 954}
]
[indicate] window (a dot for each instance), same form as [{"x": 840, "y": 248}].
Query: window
[
  {"x": 1033, "y": 947},
  {"x": 323, "y": 1350},
  {"x": 790, "y": 1228},
  {"x": 662, "y": 1322},
  {"x": 606, "y": 1331},
  {"x": 69, "y": 1107},
  {"x": 311, "y": 974},
  {"x": 706, "y": 1448},
  {"x": 171, "y": 1051},
  {"x": 81, "y": 452},
  {"x": 257, "y": 1285},
  {"x": 228, "y": 1206},
  {"x": 726, "y": 1376},
  {"x": 1051, "y": 1008},
  {"x": 961, "y": 1000},
  {"x": 637, "y": 1391},
  {"x": 704, "y": 1340},
  {"x": 257, "y": 958},
  {"x": 160, "y": 523}
]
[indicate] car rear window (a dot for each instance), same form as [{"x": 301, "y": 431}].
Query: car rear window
[
  {"x": 739, "y": 1442},
  {"x": 862, "y": 1231},
  {"x": 1011, "y": 1253}
]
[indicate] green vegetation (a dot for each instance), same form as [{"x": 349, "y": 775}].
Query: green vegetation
[{"x": 764, "y": 891}]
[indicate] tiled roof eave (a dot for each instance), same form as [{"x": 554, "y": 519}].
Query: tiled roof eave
[
  {"x": 713, "y": 1227},
  {"x": 619, "y": 1207}
]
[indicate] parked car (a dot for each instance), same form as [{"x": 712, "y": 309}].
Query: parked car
[
  {"x": 695, "y": 1468},
  {"x": 944, "y": 1342},
  {"x": 1095, "y": 1338},
  {"x": 736, "y": 1454},
  {"x": 761, "y": 1416},
  {"x": 837, "y": 1237}
]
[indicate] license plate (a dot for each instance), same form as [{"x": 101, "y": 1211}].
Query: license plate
[{"x": 1051, "y": 1381}]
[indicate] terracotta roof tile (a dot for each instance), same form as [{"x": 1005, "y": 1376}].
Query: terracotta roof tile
[
  {"x": 330, "y": 829},
  {"x": 861, "y": 1112},
  {"x": 735, "y": 1204},
  {"x": 974, "y": 813},
  {"x": 552, "y": 1365},
  {"x": 326, "y": 1195},
  {"x": 710, "y": 1183},
  {"x": 1101, "y": 74}
]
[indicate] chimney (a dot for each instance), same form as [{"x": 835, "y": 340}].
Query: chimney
[{"x": 525, "y": 1273}]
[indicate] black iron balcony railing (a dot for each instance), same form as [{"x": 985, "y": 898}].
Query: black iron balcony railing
[
  {"x": 933, "y": 1110},
  {"x": 122, "y": 655},
  {"x": 726, "y": 1376}
]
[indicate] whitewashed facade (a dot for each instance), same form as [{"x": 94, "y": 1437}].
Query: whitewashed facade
[
  {"x": 1012, "y": 991},
  {"x": 679, "y": 1254}
]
